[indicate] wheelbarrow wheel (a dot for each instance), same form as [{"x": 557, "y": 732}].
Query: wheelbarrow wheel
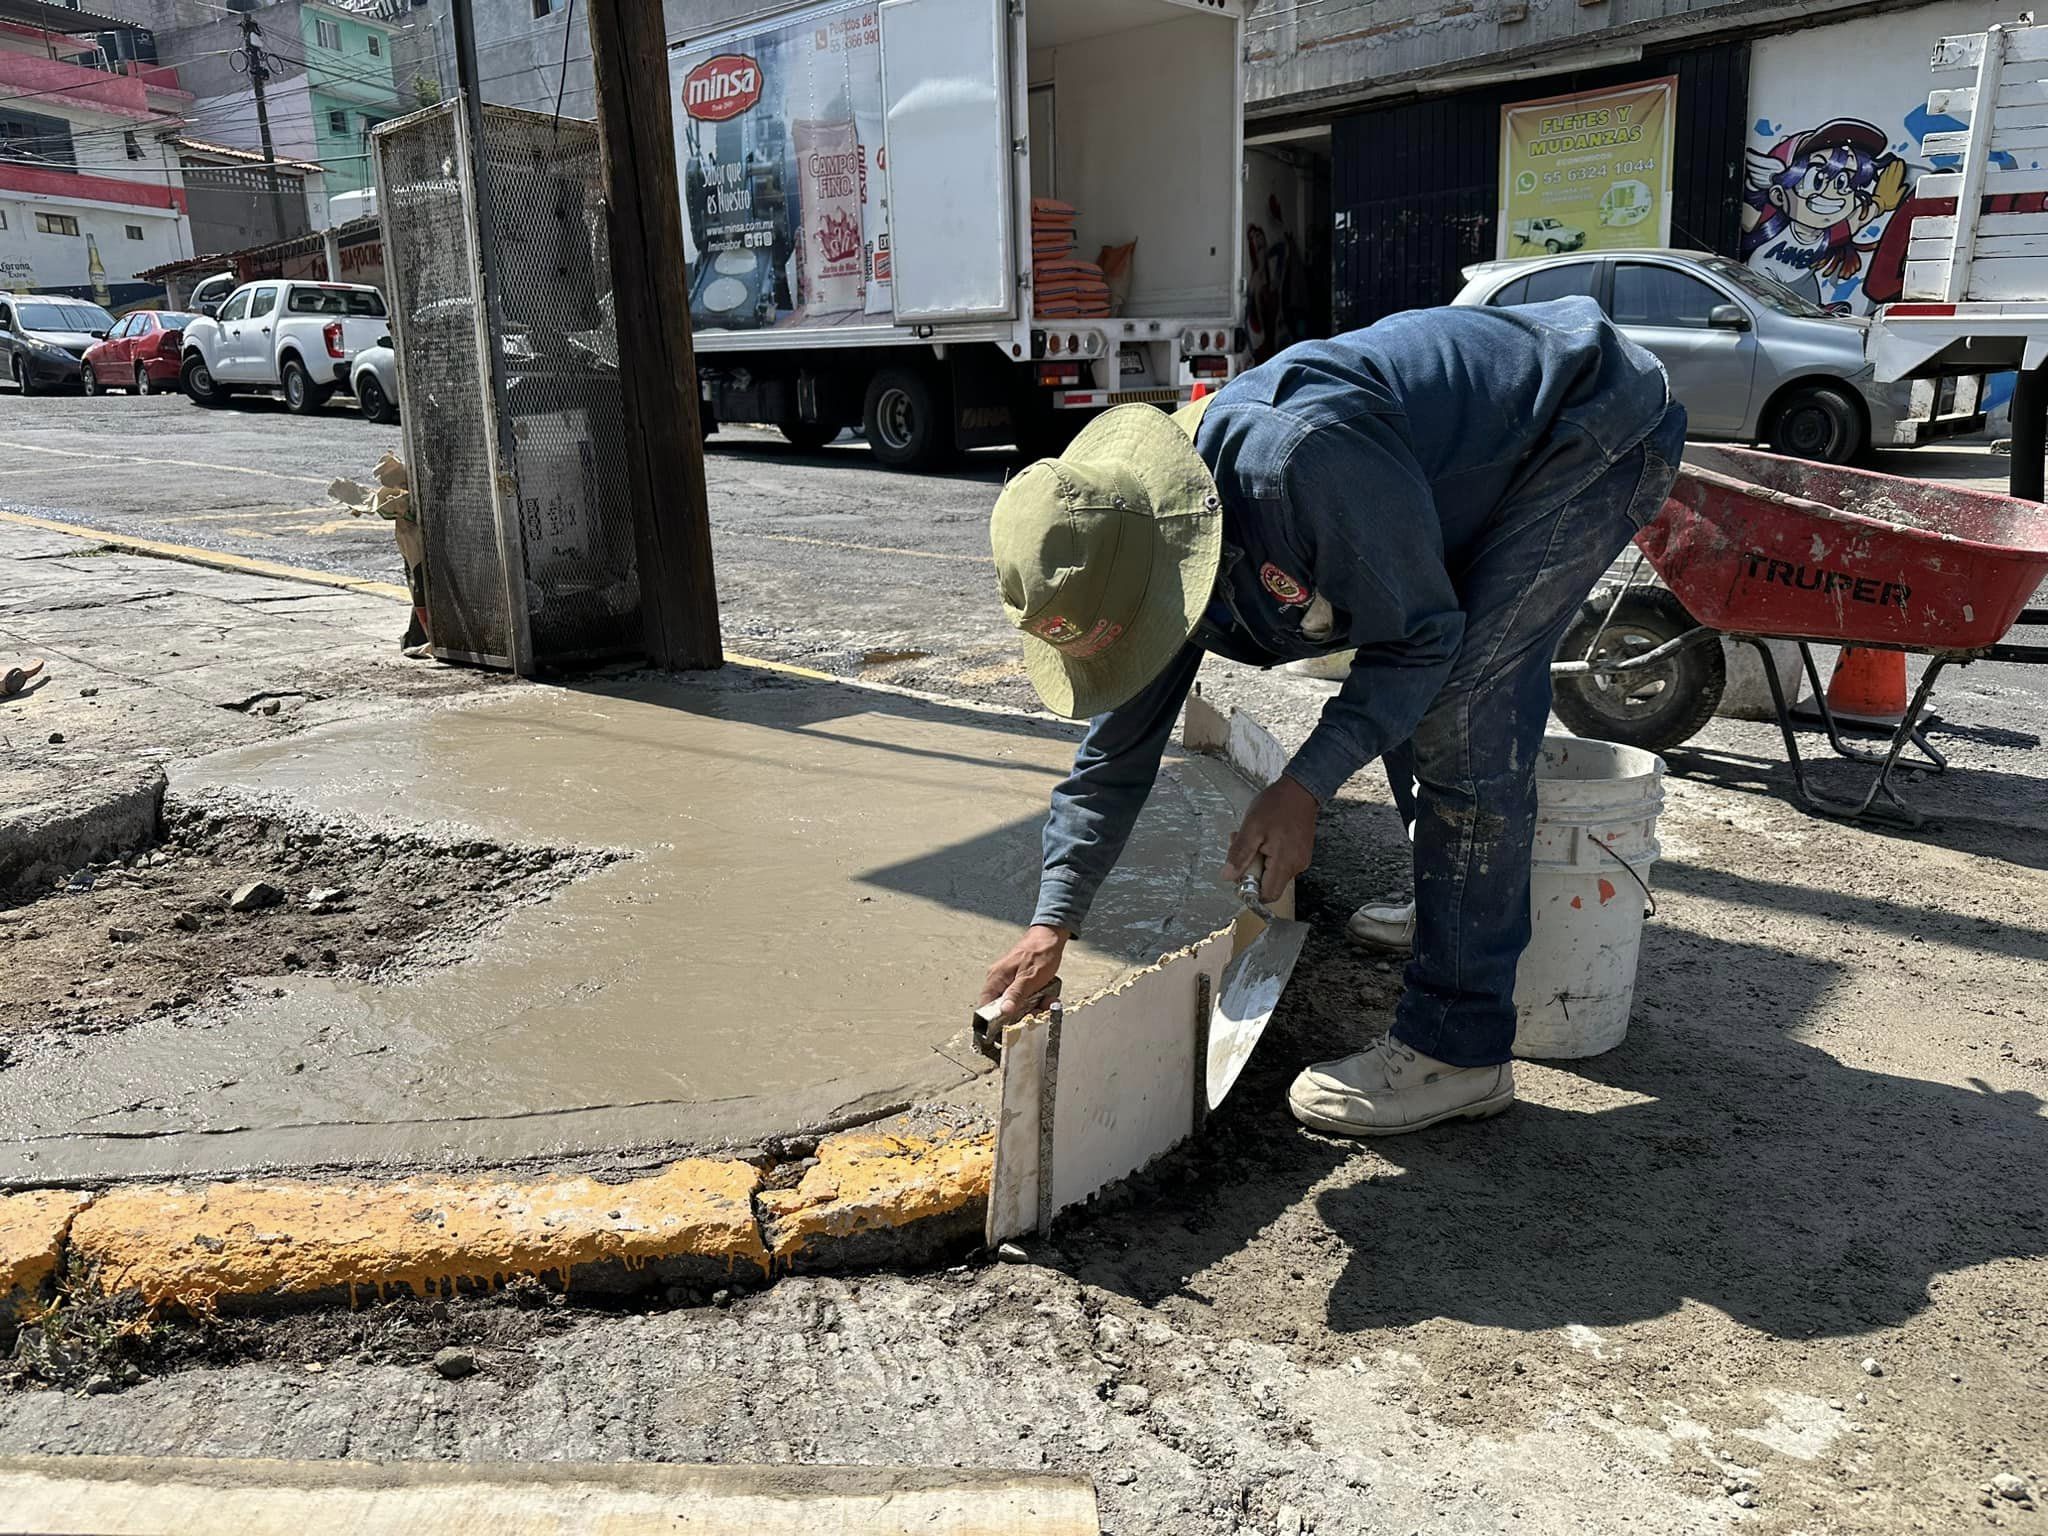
[{"x": 1655, "y": 708}]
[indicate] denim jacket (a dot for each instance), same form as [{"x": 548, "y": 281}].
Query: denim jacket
[{"x": 1358, "y": 475}]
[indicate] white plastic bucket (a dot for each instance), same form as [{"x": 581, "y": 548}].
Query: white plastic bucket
[{"x": 1596, "y": 839}]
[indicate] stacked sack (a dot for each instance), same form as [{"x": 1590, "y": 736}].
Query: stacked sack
[{"x": 1067, "y": 288}]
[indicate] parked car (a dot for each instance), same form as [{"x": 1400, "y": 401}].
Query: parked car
[
  {"x": 1749, "y": 359},
  {"x": 141, "y": 354},
  {"x": 278, "y": 336},
  {"x": 210, "y": 292},
  {"x": 42, "y": 339},
  {"x": 374, "y": 377},
  {"x": 1552, "y": 234}
]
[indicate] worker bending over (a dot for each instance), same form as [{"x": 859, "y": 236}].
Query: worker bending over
[{"x": 1439, "y": 492}]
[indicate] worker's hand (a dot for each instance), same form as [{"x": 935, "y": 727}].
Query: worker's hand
[
  {"x": 1026, "y": 970},
  {"x": 1280, "y": 827}
]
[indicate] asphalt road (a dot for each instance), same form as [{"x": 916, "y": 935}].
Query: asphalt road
[{"x": 824, "y": 559}]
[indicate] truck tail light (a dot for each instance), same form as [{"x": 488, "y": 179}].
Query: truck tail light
[
  {"x": 1053, "y": 375},
  {"x": 1210, "y": 367},
  {"x": 332, "y": 332}
]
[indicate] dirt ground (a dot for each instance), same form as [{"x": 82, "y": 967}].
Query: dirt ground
[
  {"x": 1773, "y": 1265},
  {"x": 158, "y": 932}
]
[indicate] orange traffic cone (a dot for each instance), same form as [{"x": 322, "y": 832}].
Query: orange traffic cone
[
  {"x": 1869, "y": 687},
  {"x": 1200, "y": 392}
]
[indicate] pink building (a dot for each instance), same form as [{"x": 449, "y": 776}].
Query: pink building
[{"x": 90, "y": 194}]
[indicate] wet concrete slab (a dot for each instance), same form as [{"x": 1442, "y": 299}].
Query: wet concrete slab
[{"x": 816, "y": 877}]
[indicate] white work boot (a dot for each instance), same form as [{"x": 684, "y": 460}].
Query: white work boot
[
  {"x": 1387, "y": 1088},
  {"x": 1387, "y": 929}
]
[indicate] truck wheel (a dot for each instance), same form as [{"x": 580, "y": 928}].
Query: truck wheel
[
  {"x": 905, "y": 426},
  {"x": 1656, "y": 708},
  {"x": 301, "y": 395},
  {"x": 199, "y": 382},
  {"x": 810, "y": 436},
  {"x": 1818, "y": 421}
]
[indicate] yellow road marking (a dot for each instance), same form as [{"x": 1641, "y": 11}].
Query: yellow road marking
[
  {"x": 212, "y": 557},
  {"x": 334, "y": 527},
  {"x": 866, "y": 549},
  {"x": 130, "y": 458}
]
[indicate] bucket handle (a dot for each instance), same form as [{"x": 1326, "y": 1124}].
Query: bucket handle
[{"x": 1650, "y": 908}]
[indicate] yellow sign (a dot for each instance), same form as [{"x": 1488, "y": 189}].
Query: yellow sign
[{"x": 1590, "y": 171}]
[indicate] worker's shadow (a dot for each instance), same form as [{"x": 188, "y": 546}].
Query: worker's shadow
[{"x": 1712, "y": 1157}]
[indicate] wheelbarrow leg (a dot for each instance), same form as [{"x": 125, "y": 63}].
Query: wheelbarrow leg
[
  {"x": 1936, "y": 762},
  {"x": 1893, "y": 809}
]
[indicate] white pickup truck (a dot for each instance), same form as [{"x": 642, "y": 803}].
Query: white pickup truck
[{"x": 295, "y": 338}]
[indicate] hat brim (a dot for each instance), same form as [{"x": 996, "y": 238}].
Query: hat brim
[{"x": 1159, "y": 452}]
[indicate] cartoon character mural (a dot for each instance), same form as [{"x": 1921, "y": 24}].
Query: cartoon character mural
[{"x": 1816, "y": 207}]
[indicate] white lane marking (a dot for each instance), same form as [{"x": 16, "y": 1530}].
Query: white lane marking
[{"x": 131, "y": 458}]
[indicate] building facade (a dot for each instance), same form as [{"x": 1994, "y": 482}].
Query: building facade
[
  {"x": 1391, "y": 114},
  {"x": 90, "y": 194},
  {"x": 329, "y": 74}
]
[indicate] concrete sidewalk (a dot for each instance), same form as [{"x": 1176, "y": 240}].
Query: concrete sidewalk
[{"x": 780, "y": 893}]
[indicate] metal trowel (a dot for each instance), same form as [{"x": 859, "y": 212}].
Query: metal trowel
[{"x": 1251, "y": 987}]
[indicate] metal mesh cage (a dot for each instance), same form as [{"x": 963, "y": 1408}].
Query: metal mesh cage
[{"x": 519, "y": 475}]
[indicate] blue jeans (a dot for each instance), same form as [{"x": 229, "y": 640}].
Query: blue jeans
[{"x": 1473, "y": 758}]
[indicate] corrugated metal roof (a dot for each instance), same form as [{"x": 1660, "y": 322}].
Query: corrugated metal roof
[{"x": 61, "y": 18}]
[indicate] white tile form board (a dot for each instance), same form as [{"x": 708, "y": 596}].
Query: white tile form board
[
  {"x": 1131, "y": 1062},
  {"x": 1125, "y": 1084}
]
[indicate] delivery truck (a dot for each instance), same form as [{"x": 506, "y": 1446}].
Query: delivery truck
[{"x": 960, "y": 223}]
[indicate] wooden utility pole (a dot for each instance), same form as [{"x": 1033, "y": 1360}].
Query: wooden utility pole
[{"x": 657, "y": 366}]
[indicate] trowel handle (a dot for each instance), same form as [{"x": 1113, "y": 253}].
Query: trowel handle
[
  {"x": 986, "y": 1022},
  {"x": 1248, "y": 888}
]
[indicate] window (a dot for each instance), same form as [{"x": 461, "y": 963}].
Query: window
[
  {"x": 6, "y": 318},
  {"x": 56, "y": 224},
  {"x": 327, "y": 33},
  {"x": 123, "y": 329},
  {"x": 263, "y": 301},
  {"x": 1767, "y": 291},
  {"x": 543, "y": 8},
  {"x": 64, "y": 315},
  {"x": 3, "y": 218},
  {"x": 134, "y": 231},
  {"x": 141, "y": 324},
  {"x": 376, "y": 45},
  {"x": 1576, "y": 277},
  {"x": 1646, "y": 295},
  {"x": 337, "y": 122},
  {"x": 313, "y": 299},
  {"x": 134, "y": 145},
  {"x": 37, "y": 139},
  {"x": 237, "y": 306}
]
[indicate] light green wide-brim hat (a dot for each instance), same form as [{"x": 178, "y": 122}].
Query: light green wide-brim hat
[{"x": 1107, "y": 556}]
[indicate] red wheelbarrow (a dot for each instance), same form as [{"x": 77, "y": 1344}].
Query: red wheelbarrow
[{"x": 1760, "y": 548}]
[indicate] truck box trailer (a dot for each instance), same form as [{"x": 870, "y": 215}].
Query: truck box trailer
[{"x": 960, "y": 223}]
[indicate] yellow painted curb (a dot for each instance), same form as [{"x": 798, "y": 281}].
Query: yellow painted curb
[
  {"x": 873, "y": 1181},
  {"x": 190, "y": 555},
  {"x": 33, "y": 1228},
  {"x": 199, "y": 1246}
]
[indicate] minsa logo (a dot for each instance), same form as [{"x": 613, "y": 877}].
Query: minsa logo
[{"x": 722, "y": 88}]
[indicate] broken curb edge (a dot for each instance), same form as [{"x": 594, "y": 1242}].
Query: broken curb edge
[{"x": 904, "y": 1190}]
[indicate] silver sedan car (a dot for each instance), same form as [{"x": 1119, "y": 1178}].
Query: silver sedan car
[{"x": 1749, "y": 359}]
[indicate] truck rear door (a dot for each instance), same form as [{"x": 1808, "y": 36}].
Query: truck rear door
[{"x": 946, "y": 114}]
